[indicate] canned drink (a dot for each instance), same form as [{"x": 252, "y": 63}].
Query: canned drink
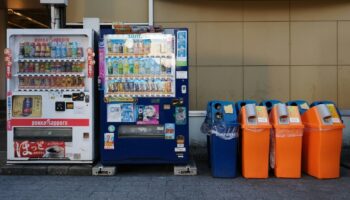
[
  {"x": 27, "y": 106},
  {"x": 21, "y": 67},
  {"x": 36, "y": 68},
  {"x": 43, "y": 49}
]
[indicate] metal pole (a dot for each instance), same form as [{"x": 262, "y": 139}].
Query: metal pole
[
  {"x": 150, "y": 12},
  {"x": 55, "y": 17}
]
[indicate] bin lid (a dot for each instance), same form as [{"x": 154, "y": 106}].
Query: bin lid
[
  {"x": 287, "y": 119},
  {"x": 322, "y": 116},
  {"x": 260, "y": 120}
]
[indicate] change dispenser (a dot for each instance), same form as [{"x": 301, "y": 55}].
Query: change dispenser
[
  {"x": 255, "y": 140},
  {"x": 269, "y": 104},
  {"x": 222, "y": 126},
  {"x": 322, "y": 141},
  {"x": 286, "y": 141},
  {"x": 302, "y": 105}
]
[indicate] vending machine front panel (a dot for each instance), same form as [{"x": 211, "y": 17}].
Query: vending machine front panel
[
  {"x": 144, "y": 98},
  {"x": 49, "y": 88}
]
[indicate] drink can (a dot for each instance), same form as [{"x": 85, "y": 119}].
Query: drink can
[{"x": 27, "y": 106}]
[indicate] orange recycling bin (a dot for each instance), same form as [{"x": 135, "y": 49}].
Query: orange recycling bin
[
  {"x": 322, "y": 141},
  {"x": 286, "y": 141},
  {"x": 255, "y": 140}
]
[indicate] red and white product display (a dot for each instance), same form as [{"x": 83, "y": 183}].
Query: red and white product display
[{"x": 50, "y": 96}]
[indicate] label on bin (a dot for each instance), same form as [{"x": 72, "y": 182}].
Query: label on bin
[
  {"x": 225, "y": 133},
  {"x": 293, "y": 113},
  {"x": 261, "y": 112},
  {"x": 228, "y": 109},
  {"x": 334, "y": 113}
]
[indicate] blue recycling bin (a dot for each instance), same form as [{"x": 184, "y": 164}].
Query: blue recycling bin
[
  {"x": 222, "y": 127},
  {"x": 303, "y": 106},
  {"x": 269, "y": 104},
  {"x": 240, "y": 104}
]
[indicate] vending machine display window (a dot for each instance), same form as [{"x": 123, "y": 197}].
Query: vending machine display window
[{"x": 26, "y": 106}]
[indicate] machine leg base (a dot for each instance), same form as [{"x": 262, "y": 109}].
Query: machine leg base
[
  {"x": 100, "y": 170},
  {"x": 186, "y": 170}
]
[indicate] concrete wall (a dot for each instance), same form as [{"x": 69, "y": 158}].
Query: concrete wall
[{"x": 251, "y": 49}]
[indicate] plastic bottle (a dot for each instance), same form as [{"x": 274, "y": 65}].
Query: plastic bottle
[
  {"x": 136, "y": 66},
  {"x": 114, "y": 66},
  {"x": 63, "y": 49},
  {"x": 131, "y": 65},
  {"x": 120, "y": 66},
  {"x": 53, "y": 49},
  {"x": 125, "y": 66}
]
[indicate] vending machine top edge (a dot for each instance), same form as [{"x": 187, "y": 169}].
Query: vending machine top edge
[
  {"x": 50, "y": 95},
  {"x": 144, "y": 97}
]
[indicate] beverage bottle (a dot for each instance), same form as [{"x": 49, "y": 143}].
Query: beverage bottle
[
  {"x": 48, "y": 50},
  {"x": 36, "y": 68},
  {"x": 125, "y": 49},
  {"x": 47, "y": 67},
  {"x": 59, "y": 50},
  {"x": 69, "y": 67},
  {"x": 20, "y": 67},
  {"x": 26, "y": 52},
  {"x": 125, "y": 66},
  {"x": 136, "y": 47},
  {"x": 109, "y": 66},
  {"x": 115, "y": 47},
  {"x": 52, "y": 67},
  {"x": 141, "y": 50},
  {"x": 109, "y": 46},
  {"x": 142, "y": 66},
  {"x": 147, "y": 66},
  {"x": 37, "y": 49},
  {"x": 63, "y": 49},
  {"x": 42, "y": 49},
  {"x": 120, "y": 47},
  {"x": 21, "y": 50},
  {"x": 32, "y": 50},
  {"x": 53, "y": 49},
  {"x": 58, "y": 67},
  {"x": 42, "y": 67},
  {"x": 114, "y": 66},
  {"x": 136, "y": 66},
  {"x": 69, "y": 49},
  {"x": 74, "y": 68},
  {"x": 74, "y": 49},
  {"x": 131, "y": 65},
  {"x": 80, "y": 52},
  {"x": 120, "y": 66}
]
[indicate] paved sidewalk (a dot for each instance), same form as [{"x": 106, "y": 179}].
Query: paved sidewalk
[{"x": 157, "y": 182}]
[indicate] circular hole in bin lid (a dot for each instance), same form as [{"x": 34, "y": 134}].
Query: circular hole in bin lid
[
  {"x": 218, "y": 115},
  {"x": 217, "y": 106},
  {"x": 293, "y": 104},
  {"x": 243, "y": 104},
  {"x": 268, "y": 104}
]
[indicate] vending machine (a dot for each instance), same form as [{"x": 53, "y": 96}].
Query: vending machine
[
  {"x": 144, "y": 97},
  {"x": 50, "y": 96}
]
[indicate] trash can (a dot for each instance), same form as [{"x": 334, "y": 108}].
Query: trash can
[
  {"x": 269, "y": 104},
  {"x": 286, "y": 141},
  {"x": 322, "y": 141},
  {"x": 255, "y": 139},
  {"x": 222, "y": 127},
  {"x": 303, "y": 106}
]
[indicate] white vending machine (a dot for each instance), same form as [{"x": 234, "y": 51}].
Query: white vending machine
[{"x": 50, "y": 96}]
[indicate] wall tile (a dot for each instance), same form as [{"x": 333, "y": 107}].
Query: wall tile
[
  {"x": 197, "y": 10},
  {"x": 266, "y": 82},
  {"x": 266, "y": 10},
  {"x": 344, "y": 43},
  {"x": 219, "y": 83},
  {"x": 344, "y": 87},
  {"x": 316, "y": 10},
  {"x": 219, "y": 43},
  {"x": 314, "y": 83},
  {"x": 266, "y": 43},
  {"x": 314, "y": 43}
]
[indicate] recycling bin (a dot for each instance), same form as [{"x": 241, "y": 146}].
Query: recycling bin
[
  {"x": 269, "y": 104},
  {"x": 303, "y": 106},
  {"x": 255, "y": 140},
  {"x": 222, "y": 126},
  {"x": 286, "y": 141},
  {"x": 322, "y": 141}
]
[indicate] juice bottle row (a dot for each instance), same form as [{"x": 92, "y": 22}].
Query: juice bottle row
[
  {"x": 50, "y": 82},
  {"x": 50, "y": 49},
  {"x": 50, "y": 67},
  {"x": 150, "y": 85},
  {"x": 136, "y": 66},
  {"x": 140, "y": 46}
]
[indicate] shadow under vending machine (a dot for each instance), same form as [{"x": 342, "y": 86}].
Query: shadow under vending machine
[
  {"x": 144, "y": 97},
  {"x": 50, "y": 96}
]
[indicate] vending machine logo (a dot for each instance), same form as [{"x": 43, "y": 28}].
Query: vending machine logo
[
  {"x": 39, "y": 149},
  {"x": 49, "y": 122}
]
